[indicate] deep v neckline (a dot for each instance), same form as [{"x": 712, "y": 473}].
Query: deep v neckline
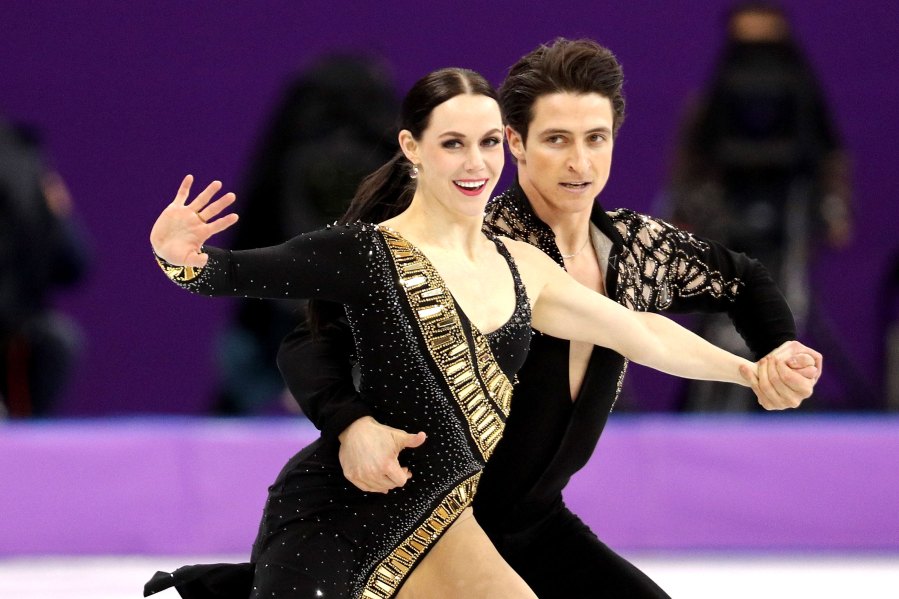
[{"x": 507, "y": 257}]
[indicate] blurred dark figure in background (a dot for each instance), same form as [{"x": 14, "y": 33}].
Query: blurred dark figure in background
[
  {"x": 889, "y": 313},
  {"x": 41, "y": 248},
  {"x": 761, "y": 169},
  {"x": 332, "y": 127}
]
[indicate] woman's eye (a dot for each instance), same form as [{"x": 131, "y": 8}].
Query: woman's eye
[
  {"x": 492, "y": 142},
  {"x": 452, "y": 144}
]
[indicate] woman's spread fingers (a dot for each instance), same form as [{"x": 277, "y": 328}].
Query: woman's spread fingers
[
  {"x": 213, "y": 209},
  {"x": 183, "y": 190},
  {"x": 220, "y": 224},
  {"x": 204, "y": 196}
]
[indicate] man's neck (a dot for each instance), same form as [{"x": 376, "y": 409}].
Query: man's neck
[{"x": 571, "y": 228}]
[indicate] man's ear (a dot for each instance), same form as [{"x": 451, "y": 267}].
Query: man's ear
[
  {"x": 515, "y": 143},
  {"x": 409, "y": 146}
]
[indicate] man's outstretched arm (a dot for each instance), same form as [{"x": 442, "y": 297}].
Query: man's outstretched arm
[{"x": 708, "y": 277}]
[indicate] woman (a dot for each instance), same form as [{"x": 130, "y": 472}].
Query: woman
[{"x": 441, "y": 315}]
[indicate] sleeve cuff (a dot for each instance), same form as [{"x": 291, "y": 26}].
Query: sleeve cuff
[
  {"x": 345, "y": 417},
  {"x": 178, "y": 274}
]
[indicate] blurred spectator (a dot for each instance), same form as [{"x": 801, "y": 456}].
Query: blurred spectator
[
  {"x": 40, "y": 249},
  {"x": 889, "y": 313},
  {"x": 761, "y": 168},
  {"x": 333, "y": 127}
]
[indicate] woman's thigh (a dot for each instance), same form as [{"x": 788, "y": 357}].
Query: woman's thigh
[{"x": 464, "y": 564}]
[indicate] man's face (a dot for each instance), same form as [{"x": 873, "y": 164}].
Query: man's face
[{"x": 565, "y": 161}]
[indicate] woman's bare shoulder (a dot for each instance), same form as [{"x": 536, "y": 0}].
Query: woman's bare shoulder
[{"x": 526, "y": 254}]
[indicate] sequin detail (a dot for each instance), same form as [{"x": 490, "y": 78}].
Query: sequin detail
[
  {"x": 619, "y": 384},
  {"x": 471, "y": 379},
  {"x": 391, "y": 572},
  {"x": 498, "y": 385},
  {"x": 510, "y": 215},
  {"x": 178, "y": 274},
  {"x": 654, "y": 266},
  {"x": 319, "y": 533},
  {"x": 656, "y": 262}
]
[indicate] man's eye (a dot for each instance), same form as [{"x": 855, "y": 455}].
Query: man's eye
[{"x": 555, "y": 139}]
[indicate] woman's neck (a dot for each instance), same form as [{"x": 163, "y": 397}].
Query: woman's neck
[{"x": 428, "y": 223}]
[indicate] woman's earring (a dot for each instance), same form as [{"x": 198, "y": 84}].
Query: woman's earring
[{"x": 414, "y": 173}]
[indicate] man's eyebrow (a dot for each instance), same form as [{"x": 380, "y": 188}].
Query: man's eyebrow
[{"x": 556, "y": 131}]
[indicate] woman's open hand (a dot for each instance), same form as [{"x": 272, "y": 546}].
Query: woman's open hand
[{"x": 181, "y": 230}]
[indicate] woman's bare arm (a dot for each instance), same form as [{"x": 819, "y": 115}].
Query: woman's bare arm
[{"x": 564, "y": 308}]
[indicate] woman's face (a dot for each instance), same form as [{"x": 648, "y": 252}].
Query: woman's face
[{"x": 460, "y": 155}]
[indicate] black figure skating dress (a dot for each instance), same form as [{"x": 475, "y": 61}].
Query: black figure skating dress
[{"x": 424, "y": 367}]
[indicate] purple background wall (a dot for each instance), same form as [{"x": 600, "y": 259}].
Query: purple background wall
[{"x": 131, "y": 98}]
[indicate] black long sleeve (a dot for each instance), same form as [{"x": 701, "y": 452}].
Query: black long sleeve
[
  {"x": 701, "y": 275},
  {"x": 331, "y": 264},
  {"x": 760, "y": 312},
  {"x": 328, "y": 264},
  {"x": 318, "y": 372}
]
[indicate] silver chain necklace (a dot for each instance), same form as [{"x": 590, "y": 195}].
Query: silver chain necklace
[{"x": 567, "y": 256}]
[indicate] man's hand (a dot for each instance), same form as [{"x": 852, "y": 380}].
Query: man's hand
[
  {"x": 369, "y": 454},
  {"x": 786, "y": 376}
]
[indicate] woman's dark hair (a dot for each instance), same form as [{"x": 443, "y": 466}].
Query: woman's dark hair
[{"x": 389, "y": 190}]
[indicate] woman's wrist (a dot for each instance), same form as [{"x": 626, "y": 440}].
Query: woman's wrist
[{"x": 175, "y": 272}]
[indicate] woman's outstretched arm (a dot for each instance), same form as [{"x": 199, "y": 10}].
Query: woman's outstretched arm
[
  {"x": 564, "y": 308},
  {"x": 334, "y": 264}
]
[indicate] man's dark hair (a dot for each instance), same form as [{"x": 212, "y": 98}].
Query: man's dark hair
[{"x": 572, "y": 66}]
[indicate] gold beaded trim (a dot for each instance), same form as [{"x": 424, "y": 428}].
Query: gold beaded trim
[
  {"x": 178, "y": 274},
  {"x": 390, "y": 573},
  {"x": 498, "y": 385},
  {"x": 435, "y": 312}
]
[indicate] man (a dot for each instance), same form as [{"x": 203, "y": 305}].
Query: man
[{"x": 563, "y": 106}]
